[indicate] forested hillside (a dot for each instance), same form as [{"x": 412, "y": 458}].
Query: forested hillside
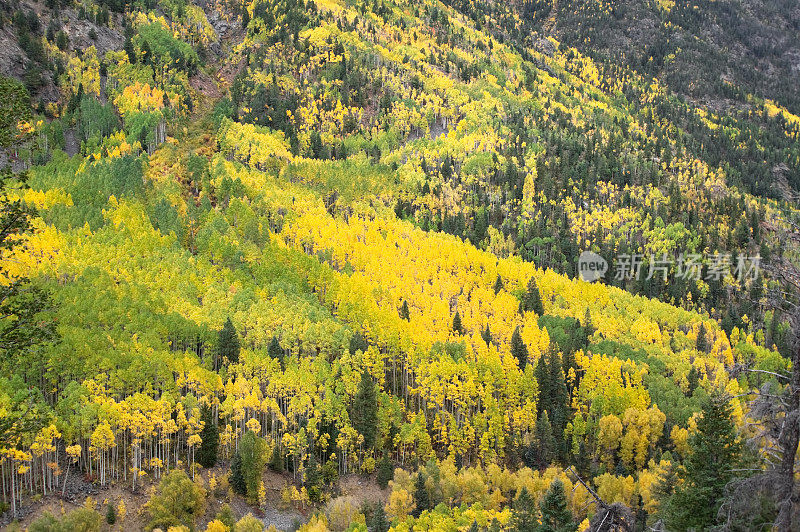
[{"x": 253, "y": 252}]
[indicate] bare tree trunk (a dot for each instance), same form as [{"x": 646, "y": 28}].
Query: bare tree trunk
[{"x": 788, "y": 440}]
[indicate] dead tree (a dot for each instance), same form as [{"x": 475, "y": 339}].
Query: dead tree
[
  {"x": 614, "y": 517},
  {"x": 775, "y": 414}
]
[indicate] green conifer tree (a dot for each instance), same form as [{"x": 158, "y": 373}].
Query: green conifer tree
[
  {"x": 545, "y": 441},
  {"x": 524, "y": 517},
  {"x": 532, "y": 300},
  {"x": 714, "y": 452},
  {"x": 702, "y": 341},
  {"x": 228, "y": 346},
  {"x": 385, "y": 472},
  {"x": 420, "y": 495},
  {"x": 274, "y": 350},
  {"x": 498, "y": 284},
  {"x": 405, "y": 313},
  {"x": 457, "y": 327},
  {"x": 486, "y": 334},
  {"x": 519, "y": 349},
  {"x": 379, "y": 521},
  {"x": 237, "y": 481},
  {"x": 207, "y": 454},
  {"x": 556, "y": 516},
  {"x": 364, "y": 414}
]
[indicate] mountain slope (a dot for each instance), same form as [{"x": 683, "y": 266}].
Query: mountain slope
[{"x": 347, "y": 234}]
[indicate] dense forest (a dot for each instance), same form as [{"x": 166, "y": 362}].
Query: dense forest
[{"x": 318, "y": 265}]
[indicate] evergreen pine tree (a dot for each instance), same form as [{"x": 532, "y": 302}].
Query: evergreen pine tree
[
  {"x": 111, "y": 514},
  {"x": 274, "y": 350},
  {"x": 519, "y": 349},
  {"x": 358, "y": 343},
  {"x": 560, "y": 403},
  {"x": 207, "y": 454},
  {"x": 276, "y": 461},
  {"x": 486, "y": 334},
  {"x": 379, "y": 521},
  {"x": 664, "y": 486},
  {"x": 237, "y": 481},
  {"x": 532, "y": 300},
  {"x": 524, "y": 516},
  {"x": 226, "y": 516},
  {"x": 714, "y": 452},
  {"x": 498, "y": 284},
  {"x": 227, "y": 345},
  {"x": 421, "y": 495},
  {"x": 556, "y": 517},
  {"x": 694, "y": 380},
  {"x": 457, "y": 327},
  {"x": 702, "y": 341},
  {"x": 543, "y": 379},
  {"x": 473, "y": 527},
  {"x": 447, "y": 169},
  {"x": 385, "y": 472},
  {"x": 545, "y": 441},
  {"x": 364, "y": 414},
  {"x": 404, "y": 312},
  {"x": 313, "y": 480},
  {"x": 588, "y": 326}
]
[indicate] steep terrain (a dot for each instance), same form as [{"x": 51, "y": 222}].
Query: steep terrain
[{"x": 342, "y": 237}]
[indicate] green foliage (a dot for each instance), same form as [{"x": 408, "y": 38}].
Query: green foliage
[
  {"x": 94, "y": 119},
  {"x": 177, "y": 501},
  {"x": 421, "y": 498},
  {"x": 78, "y": 520},
  {"x": 486, "y": 335},
  {"x": 207, "y": 454},
  {"x": 364, "y": 412},
  {"x": 532, "y": 300},
  {"x": 405, "y": 313},
  {"x": 519, "y": 349},
  {"x": 111, "y": 514},
  {"x": 498, "y": 285},
  {"x": 556, "y": 516},
  {"x": 15, "y": 107},
  {"x": 159, "y": 46},
  {"x": 25, "y": 327},
  {"x": 358, "y": 343},
  {"x": 714, "y": 453},
  {"x": 274, "y": 350},
  {"x": 90, "y": 188},
  {"x": 702, "y": 341},
  {"x": 379, "y": 522},
  {"x": 253, "y": 453},
  {"x": 313, "y": 481},
  {"x": 457, "y": 327},
  {"x": 226, "y": 516},
  {"x": 228, "y": 345},
  {"x": 237, "y": 480},
  {"x": 524, "y": 518},
  {"x": 385, "y": 472},
  {"x": 544, "y": 446},
  {"x": 566, "y": 333},
  {"x": 276, "y": 461}
]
